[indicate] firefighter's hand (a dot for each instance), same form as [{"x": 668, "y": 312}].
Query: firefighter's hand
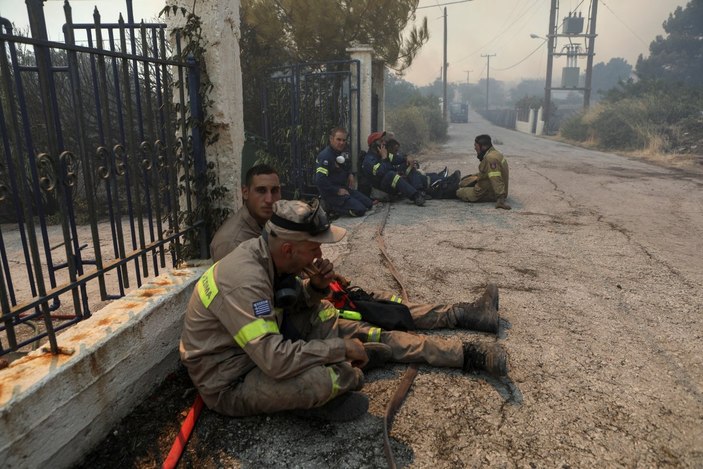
[
  {"x": 355, "y": 352},
  {"x": 342, "y": 280},
  {"x": 321, "y": 273}
]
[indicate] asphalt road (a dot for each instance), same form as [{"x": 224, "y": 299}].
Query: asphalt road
[{"x": 600, "y": 271}]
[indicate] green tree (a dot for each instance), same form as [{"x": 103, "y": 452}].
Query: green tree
[
  {"x": 321, "y": 30},
  {"x": 284, "y": 32},
  {"x": 607, "y": 76},
  {"x": 679, "y": 56}
]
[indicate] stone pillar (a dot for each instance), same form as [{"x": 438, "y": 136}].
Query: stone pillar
[
  {"x": 220, "y": 27},
  {"x": 364, "y": 54}
]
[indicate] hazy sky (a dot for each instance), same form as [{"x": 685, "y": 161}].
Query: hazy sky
[
  {"x": 624, "y": 29},
  {"x": 479, "y": 27}
]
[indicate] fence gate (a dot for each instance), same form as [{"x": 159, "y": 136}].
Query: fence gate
[
  {"x": 302, "y": 103},
  {"x": 90, "y": 168}
]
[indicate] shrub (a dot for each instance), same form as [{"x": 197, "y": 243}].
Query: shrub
[
  {"x": 410, "y": 128},
  {"x": 575, "y": 128}
]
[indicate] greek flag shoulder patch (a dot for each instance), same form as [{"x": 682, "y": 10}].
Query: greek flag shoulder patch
[{"x": 261, "y": 308}]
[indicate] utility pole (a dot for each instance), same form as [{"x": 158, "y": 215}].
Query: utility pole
[
  {"x": 550, "y": 63},
  {"x": 444, "y": 75},
  {"x": 488, "y": 74},
  {"x": 467, "y": 76},
  {"x": 589, "y": 61}
]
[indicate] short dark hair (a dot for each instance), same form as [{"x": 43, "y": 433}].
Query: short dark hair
[
  {"x": 258, "y": 170},
  {"x": 484, "y": 140},
  {"x": 338, "y": 129}
]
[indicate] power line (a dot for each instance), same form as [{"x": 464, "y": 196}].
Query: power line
[
  {"x": 521, "y": 61},
  {"x": 443, "y": 4},
  {"x": 623, "y": 23}
]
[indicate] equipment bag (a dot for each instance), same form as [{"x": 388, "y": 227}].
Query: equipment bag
[{"x": 385, "y": 314}]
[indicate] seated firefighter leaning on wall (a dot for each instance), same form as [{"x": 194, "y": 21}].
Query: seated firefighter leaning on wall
[
  {"x": 334, "y": 180},
  {"x": 261, "y": 189},
  {"x": 433, "y": 185},
  {"x": 291, "y": 350}
]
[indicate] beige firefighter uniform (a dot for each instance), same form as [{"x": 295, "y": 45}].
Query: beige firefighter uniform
[
  {"x": 407, "y": 347},
  {"x": 234, "y": 350},
  {"x": 425, "y": 315},
  {"x": 492, "y": 183},
  {"x": 235, "y": 230}
]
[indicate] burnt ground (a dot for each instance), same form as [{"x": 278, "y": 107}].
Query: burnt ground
[{"x": 601, "y": 303}]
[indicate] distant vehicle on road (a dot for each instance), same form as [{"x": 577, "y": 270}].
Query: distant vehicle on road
[{"x": 459, "y": 112}]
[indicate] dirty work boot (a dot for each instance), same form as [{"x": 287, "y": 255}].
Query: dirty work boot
[
  {"x": 348, "y": 406},
  {"x": 502, "y": 204},
  {"x": 482, "y": 314},
  {"x": 418, "y": 199},
  {"x": 378, "y": 354},
  {"x": 490, "y": 358},
  {"x": 442, "y": 174}
]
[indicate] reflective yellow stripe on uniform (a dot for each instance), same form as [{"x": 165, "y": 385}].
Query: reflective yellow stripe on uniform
[
  {"x": 327, "y": 313},
  {"x": 322, "y": 170},
  {"x": 254, "y": 330},
  {"x": 375, "y": 168},
  {"x": 207, "y": 288},
  {"x": 494, "y": 174},
  {"x": 374, "y": 335},
  {"x": 334, "y": 377},
  {"x": 395, "y": 180},
  {"x": 396, "y": 299}
]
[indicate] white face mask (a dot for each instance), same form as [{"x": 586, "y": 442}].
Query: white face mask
[{"x": 341, "y": 159}]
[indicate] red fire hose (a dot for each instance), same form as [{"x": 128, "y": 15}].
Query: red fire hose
[{"x": 182, "y": 438}]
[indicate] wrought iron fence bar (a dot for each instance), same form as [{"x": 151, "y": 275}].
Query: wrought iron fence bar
[
  {"x": 131, "y": 165},
  {"x": 77, "y": 100},
  {"x": 114, "y": 166},
  {"x": 151, "y": 182},
  {"x": 155, "y": 155}
]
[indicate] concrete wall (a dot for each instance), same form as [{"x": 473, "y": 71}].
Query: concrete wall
[
  {"x": 55, "y": 408},
  {"x": 534, "y": 122}
]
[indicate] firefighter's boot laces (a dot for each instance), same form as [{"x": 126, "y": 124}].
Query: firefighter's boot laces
[{"x": 490, "y": 358}]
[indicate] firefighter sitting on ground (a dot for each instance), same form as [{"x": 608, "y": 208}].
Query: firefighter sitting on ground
[
  {"x": 383, "y": 175},
  {"x": 290, "y": 349},
  {"x": 262, "y": 188},
  {"x": 491, "y": 182},
  {"x": 335, "y": 182},
  {"x": 433, "y": 185}
]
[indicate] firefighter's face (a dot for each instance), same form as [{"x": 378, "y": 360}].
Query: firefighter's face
[
  {"x": 259, "y": 197},
  {"x": 338, "y": 141}
]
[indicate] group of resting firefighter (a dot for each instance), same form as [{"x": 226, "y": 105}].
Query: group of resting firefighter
[
  {"x": 386, "y": 174},
  {"x": 261, "y": 336}
]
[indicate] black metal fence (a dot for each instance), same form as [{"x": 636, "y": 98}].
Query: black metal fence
[
  {"x": 97, "y": 151},
  {"x": 302, "y": 103}
]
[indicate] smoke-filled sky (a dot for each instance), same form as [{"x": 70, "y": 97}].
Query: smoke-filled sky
[{"x": 624, "y": 29}]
